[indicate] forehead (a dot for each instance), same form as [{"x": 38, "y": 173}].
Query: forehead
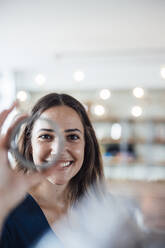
[{"x": 64, "y": 116}]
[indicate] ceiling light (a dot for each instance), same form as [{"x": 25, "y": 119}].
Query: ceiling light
[
  {"x": 79, "y": 76},
  {"x": 22, "y": 96},
  {"x": 138, "y": 92},
  {"x": 40, "y": 79},
  {"x": 136, "y": 111},
  {"x": 162, "y": 72},
  {"x": 105, "y": 94},
  {"x": 99, "y": 110}
]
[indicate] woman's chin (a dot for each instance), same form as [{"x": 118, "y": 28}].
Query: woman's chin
[{"x": 56, "y": 181}]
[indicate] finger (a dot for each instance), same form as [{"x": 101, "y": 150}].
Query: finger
[
  {"x": 5, "y": 113},
  {"x": 6, "y": 139}
]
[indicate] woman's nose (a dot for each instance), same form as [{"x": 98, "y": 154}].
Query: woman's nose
[
  {"x": 65, "y": 146},
  {"x": 56, "y": 147}
]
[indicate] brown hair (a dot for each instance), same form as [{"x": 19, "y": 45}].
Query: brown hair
[{"x": 91, "y": 171}]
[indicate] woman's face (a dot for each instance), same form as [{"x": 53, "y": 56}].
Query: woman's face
[{"x": 44, "y": 146}]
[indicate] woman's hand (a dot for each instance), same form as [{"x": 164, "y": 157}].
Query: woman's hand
[{"x": 13, "y": 185}]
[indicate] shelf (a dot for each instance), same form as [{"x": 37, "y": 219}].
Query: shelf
[
  {"x": 134, "y": 141},
  {"x": 136, "y": 172},
  {"x": 140, "y": 141},
  {"x": 121, "y": 160}
]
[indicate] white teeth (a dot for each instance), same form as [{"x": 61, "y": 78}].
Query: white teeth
[{"x": 66, "y": 164}]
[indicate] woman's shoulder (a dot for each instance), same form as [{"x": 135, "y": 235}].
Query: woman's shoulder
[
  {"x": 27, "y": 215},
  {"x": 24, "y": 225},
  {"x": 23, "y": 210}
]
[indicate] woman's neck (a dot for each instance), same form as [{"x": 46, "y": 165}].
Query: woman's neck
[{"x": 50, "y": 195}]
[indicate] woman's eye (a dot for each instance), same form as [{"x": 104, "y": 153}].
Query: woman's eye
[
  {"x": 45, "y": 137},
  {"x": 73, "y": 137}
]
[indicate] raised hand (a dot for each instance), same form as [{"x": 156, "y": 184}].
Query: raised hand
[{"x": 13, "y": 185}]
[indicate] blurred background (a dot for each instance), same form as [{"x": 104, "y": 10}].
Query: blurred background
[{"x": 110, "y": 55}]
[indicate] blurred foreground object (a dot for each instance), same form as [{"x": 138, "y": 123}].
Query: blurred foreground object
[{"x": 132, "y": 215}]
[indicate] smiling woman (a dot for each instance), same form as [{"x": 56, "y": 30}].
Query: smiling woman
[
  {"x": 78, "y": 168},
  {"x": 44, "y": 145}
]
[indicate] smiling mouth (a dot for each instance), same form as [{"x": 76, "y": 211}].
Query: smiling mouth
[
  {"x": 66, "y": 164},
  {"x": 62, "y": 164}
]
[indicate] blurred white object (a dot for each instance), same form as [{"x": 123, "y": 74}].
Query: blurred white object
[
  {"x": 162, "y": 72},
  {"x": 136, "y": 111},
  {"x": 7, "y": 90},
  {"x": 96, "y": 222},
  {"x": 116, "y": 131},
  {"x": 78, "y": 76},
  {"x": 105, "y": 94},
  {"x": 7, "y": 97},
  {"x": 138, "y": 92},
  {"x": 104, "y": 220},
  {"x": 22, "y": 95},
  {"x": 40, "y": 79}
]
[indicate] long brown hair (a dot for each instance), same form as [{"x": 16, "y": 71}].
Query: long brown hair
[{"x": 91, "y": 171}]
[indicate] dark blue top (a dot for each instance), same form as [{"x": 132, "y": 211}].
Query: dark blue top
[{"x": 24, "y": 226}]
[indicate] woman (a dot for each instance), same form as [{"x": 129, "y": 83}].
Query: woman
[{"x": 79, "y": 167}]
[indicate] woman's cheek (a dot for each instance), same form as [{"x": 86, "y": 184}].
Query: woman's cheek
[
  {"x": 40, "y": 153},
  {"x": 79, "y": 152}
]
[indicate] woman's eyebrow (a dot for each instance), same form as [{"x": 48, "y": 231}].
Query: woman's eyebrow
[
  {"x": 72, "y": 130},
  {"x": 66, "y": 131},
  {"x": 46, "y": 130}
]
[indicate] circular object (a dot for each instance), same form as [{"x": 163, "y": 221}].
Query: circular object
[{"x": 49, "y": 125}]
